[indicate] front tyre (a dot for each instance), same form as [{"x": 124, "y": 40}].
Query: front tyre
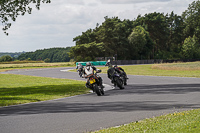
[
  {"x": 96, "y": 89},
  {"x": 102, "y": 91}
]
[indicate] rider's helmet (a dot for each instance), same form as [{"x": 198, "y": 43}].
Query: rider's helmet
[
  {"x": 108, "y": 63},
  {"x": 79, "y": 65},
  {"x": 88, "y": 64},
  {"x": 115, "y": 66}
]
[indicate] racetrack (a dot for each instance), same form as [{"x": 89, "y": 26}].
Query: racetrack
[{"x": 144, "y": 97}]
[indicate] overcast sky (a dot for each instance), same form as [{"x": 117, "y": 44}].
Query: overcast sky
[{"x": 57, "y": 23}]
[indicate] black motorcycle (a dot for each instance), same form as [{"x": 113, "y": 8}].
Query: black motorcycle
[
  {"x": 118, "y": 80},
  {"x": 80, "y": 71},
  {"x": 124, "y": 77},
  {"x": 95, "y": 85}
]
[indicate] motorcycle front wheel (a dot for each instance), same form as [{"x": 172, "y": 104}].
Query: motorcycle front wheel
[
  {"x": 102, "y": 91},
  {"x": 96, "y": 89}
]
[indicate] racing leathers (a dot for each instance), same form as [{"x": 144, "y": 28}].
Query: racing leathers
[
  {"x": 122, "y": 73},
  {"x": 110, "y": 73},
  {"x": 120, "y": 70},
  {"x": 88, "y": 71},
  {"x": 80, "y": 69}
]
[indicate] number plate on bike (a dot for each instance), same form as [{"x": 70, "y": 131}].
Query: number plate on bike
[{"x": 92, "y": 81}]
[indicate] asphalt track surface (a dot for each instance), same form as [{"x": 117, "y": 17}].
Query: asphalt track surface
[{"x": 143, "y": 97}]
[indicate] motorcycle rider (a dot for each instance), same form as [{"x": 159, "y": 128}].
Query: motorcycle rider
[
  {"x": 110, "y": 71},
  {"x": 121, "y": 72},
  {"x": 88, "y": 71},
  {"x": 80, "y": 69}
]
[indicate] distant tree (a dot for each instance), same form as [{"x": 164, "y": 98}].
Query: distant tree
[
  {"x": 107, "y": 34},
  {"x": 141, "y": 41},
  {"x": 11, "y": 9},
  {"x": 87, "y": 52},
  {"x": 54, "y": 54},
  {"x": 175, "y": 35},
  {"x": 156, "y": 25},
  {"x": 152, "y": 36},
  {"x": 47, "y": 60},
  {"x": 112, "y": 34},
  {"x": 190, "y": 48},
  {"x": 191, "y": 18},
  {"x": 5, "y": 58},
  {"x": 86, "y": 37}
]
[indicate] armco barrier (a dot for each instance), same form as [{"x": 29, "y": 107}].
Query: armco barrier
[
  {"x": 131, "y": 62},
  {"x": 94, "y": 63}
]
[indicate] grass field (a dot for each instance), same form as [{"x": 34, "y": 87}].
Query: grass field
[
  {"x": 178, "y": 66},
  {"x": 178, "y": 122},
  {"x": 6, "y": 67},
  {"x": 19, "y": 89},
  {"x": 191, "y": 69}
]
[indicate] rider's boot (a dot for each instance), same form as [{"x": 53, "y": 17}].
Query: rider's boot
[
  {"x": 115, "y": 84},
  {"x": 88, "y": 86},
  {"x": 102, "y": 86}
]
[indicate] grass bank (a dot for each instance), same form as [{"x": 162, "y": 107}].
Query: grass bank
[
  {"x": 178, "y": 122},
  {"x": 30, "y": 65},
  {"x": 190, "y": 69},
  {"x": 19, "y": 89}
]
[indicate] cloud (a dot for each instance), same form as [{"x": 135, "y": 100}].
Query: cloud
[
  {"x": 130, "y": 1},
  {"x": 68, "y": 2},
  {"x": 56, "y": 24}
]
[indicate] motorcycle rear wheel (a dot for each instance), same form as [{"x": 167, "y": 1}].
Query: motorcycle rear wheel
[{"x": 120, "y": 83}]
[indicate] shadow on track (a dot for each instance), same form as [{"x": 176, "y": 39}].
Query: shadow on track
[
  {"x": 159, "y": 89},
  {"x": 114, "y": 106}
]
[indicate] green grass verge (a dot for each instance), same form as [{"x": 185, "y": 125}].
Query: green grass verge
[
  {"x": 148, "y": 70},
  {"x": 178, "y": 66},
  {"x": 19, "y": 89},
  {"x": 6, "y": 67},
  {"x": 179, "y": 122}
]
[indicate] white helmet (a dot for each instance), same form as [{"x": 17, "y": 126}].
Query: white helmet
[{"x": 88, "y": 64}]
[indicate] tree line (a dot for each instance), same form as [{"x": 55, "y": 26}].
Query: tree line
[
  {"x": 47, "y": 55},
  {"x": 13, "y": 55},
  {"x": 152, "y": 36}
]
